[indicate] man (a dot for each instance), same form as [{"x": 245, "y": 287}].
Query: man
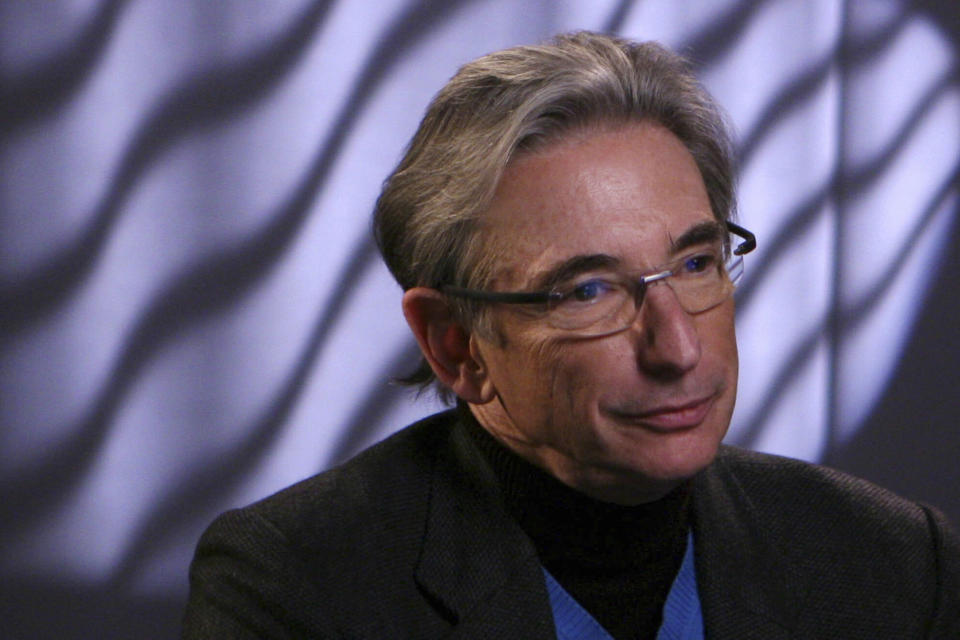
[{"x": 560, "y": 226}]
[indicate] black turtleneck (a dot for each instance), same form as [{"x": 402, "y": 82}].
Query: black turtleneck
[{"x": 617, "y": 561}]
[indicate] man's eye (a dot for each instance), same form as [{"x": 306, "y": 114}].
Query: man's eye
[
  {"x": 699, "y": 263},
  {"x": 589, "y": 290}
]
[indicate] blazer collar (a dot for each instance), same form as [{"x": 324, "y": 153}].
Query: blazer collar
[
  {"x": 749, "y": 586},
  {"x": 480, "y": 568},
  {"x": 476, "y": 562}
]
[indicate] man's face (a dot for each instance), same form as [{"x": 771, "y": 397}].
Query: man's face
[{"x": 627, "y": 416}]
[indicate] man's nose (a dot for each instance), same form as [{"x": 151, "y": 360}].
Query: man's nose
[{"x": 669, "y": 341}]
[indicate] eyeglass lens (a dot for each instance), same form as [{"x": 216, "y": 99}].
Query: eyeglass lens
[{"x": 605, "y": 304}]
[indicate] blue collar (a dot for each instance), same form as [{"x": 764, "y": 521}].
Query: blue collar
[{"x": 682, "y": 618}]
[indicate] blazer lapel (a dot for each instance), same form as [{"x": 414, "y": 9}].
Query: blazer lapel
[
  {"x": 748, "y": 586},
  {"x": 476, "y": 562},
  {"x": 482, "y": 571}
]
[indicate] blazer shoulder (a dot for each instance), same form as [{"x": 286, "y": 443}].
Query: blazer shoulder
[
  {"x": 823, "y": 511},
  {"x": 313, "y": 556},
  {"x": 804, "y": 488},
  {"x": 845, "y": 545},
  {"x": 386, "y": 483}
]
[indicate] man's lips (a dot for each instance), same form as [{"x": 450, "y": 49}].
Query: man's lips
[{"x": 675, "y": 417}]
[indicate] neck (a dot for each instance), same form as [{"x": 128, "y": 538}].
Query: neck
[{"x": 617, "y": 561}]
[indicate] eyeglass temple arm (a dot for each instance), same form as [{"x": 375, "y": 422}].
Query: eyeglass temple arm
[
  {"x": 510, "y": 297},
  {"x": 749, "y": 240}
]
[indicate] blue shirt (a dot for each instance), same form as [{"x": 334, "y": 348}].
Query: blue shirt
[{"x": 682, "y": 618}]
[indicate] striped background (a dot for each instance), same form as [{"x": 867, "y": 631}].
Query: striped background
[{"x": 193, "y": 315}]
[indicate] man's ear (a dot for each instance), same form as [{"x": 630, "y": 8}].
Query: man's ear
[{"x": 446, "y": 345}]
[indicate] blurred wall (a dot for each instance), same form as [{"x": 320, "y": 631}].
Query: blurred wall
[{"x": 193, "y": 315}]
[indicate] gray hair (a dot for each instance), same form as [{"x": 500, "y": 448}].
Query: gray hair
[{"x": 516, "y": 101}]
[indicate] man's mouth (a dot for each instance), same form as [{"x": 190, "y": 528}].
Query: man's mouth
[{"x": 667, "y": 418}]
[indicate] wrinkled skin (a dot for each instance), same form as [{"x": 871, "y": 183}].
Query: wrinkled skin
[{"x": 626, "y": 417}]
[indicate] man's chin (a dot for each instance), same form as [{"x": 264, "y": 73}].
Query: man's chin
[{"x": 675, "y": 462}]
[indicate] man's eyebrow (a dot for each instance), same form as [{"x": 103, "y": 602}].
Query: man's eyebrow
[
  {"x": 701, "y": 233},
  {"x": 572, "y": 267}
]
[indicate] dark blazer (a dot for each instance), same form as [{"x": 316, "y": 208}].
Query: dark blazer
[{"x": 408, "y": 540}]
